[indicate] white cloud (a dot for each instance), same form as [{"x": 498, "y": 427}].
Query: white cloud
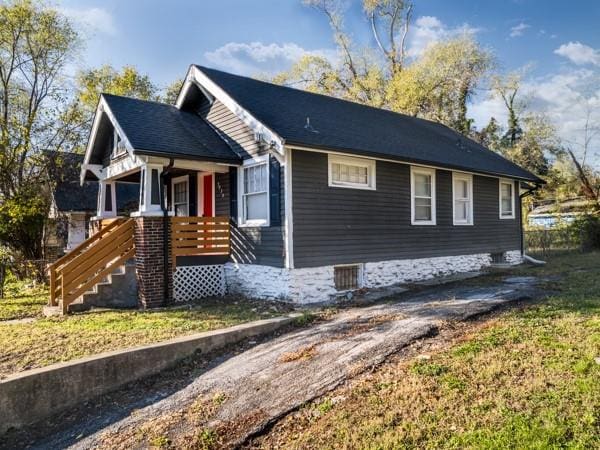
[
  {"x": 428, "y": 30},
  {"x": 97, "y": 19},
  {"x": 579, "y": 53},
  {"x": 256, "y": 57},
  {"x": 518, "y": 30}
]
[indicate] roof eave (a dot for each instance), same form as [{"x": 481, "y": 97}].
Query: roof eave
[
  {"x": 381, "y": 156},
  {"x": 163, "y": 154}
]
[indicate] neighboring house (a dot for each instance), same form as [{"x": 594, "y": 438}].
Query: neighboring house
[
  {"x": 552, "y": 213},
  {"x": 73, "y": 205},
  {"x": 323, "y": 195}
]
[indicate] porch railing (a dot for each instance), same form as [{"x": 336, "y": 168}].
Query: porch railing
[
  {"x": 200, "y": 236},
  {"x": 90, "y": 262}
]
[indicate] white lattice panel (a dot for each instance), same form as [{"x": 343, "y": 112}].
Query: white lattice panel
[{"x": 196, "y": 282}]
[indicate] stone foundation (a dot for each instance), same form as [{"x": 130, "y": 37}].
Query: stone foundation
[{"x": 316, "y": 284}]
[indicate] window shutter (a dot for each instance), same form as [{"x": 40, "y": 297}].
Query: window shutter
[
  {"x": 193, "y": 194},
  {"x": 274, "y": 191},
  {"x": 233, "y": 195}
]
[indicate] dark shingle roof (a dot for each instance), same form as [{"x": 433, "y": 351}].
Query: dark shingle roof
[
  {"x": 69, "y": 196},
  {"x": 354, "y": 128},
  {"x": 163, "y": 130}
]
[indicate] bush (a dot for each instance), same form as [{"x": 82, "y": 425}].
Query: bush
[{"x": 588, "y": 228}]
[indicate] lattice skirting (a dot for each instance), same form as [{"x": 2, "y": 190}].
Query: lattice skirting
[{"x": 196, "y": 282}]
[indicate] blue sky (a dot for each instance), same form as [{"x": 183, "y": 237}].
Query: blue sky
[{"x": 558, "y": 39}]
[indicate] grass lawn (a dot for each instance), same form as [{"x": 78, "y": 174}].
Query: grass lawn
[
  {"x": 49, "y": 340},
  {"x": 526, "y": 378},
  {"x": 22, "y": 300}
]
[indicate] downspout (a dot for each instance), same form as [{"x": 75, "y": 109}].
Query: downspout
[
  {"x": 527, "y": 193},
  {"x": 165, "y": 232}
]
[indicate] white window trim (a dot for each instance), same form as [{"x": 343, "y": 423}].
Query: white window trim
[
  {"x": 370, "y": 164},
  {"x": 502, "y": 181},
  {"x": 422, "y": 170},
  {"x": 250, "y": 163},
  {"x": 115, "y": 153},
  {"x": 469, "y": 179},
  {"x": 174, "y": 181}
]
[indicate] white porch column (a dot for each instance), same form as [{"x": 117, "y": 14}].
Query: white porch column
[
  {"x": 151, "y": 191},
  {"x": 107, "y": 200}
]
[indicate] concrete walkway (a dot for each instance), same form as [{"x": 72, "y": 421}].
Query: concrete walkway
[{"x": 246, "y": 391}]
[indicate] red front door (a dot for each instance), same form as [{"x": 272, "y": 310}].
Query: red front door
[{"x": 207, "y": 196}]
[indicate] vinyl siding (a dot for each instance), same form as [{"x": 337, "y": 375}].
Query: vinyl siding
[
  {"x": 255, "y": 245},
  {"x": 239, "y": 137},
  {"x": 341, "y": 226}
]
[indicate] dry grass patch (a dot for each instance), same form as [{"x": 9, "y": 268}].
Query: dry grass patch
[
  {"x": 528, "y": 379},
  {"x": 302, "y": 354}
]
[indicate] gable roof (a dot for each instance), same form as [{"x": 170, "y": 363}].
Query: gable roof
[
  {"x": 159, "y": 129},
  {"x": 344, "y": 126}
]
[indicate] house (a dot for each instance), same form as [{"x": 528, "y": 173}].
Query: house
[
  {"x": 554, "y": 213},
  {"x": 272, "y": 192},
  {"x": 72, "y": 206}
]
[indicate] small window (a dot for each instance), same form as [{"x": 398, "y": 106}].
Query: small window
[
  {"x": 255, "y": 194},
  {"x": 347, "y": 278},
  {"x": 422, "y": 196},
  {"x": 462, "y": 192},
  {"x": 180, "y": 187},
  {"x": 507, "y": 199},
  {"x": 349, "y": 172}
]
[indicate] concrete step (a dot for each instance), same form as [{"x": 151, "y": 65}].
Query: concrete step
[{"x": 119, "y": 290}]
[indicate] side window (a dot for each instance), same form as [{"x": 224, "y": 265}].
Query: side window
[
  {"x": 181, "y": 192},
  {"x": 254, "y": 193},
  {"x": 422, "y": 193},
  {"x": 462, "y": 197},
  {"x": 507, "y": 199}
]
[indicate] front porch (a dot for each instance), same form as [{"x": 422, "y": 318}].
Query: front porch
[{"x": 174, "y": 239}]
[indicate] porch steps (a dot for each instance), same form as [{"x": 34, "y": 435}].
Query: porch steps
[{"x": 117, "y": 290}]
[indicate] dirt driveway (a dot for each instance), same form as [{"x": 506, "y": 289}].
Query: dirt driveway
[{"x": 228, "y": 402}]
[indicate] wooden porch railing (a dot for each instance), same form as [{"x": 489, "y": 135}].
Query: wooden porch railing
[
  {"x": 90, "y": 262},
  {"x": 200, "y": 236}
]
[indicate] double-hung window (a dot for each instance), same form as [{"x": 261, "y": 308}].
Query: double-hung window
[
  {"x": 507, "y": 199},
  {"x": 462, "y": 194},
  {"x": 422, "y": 193},
  {"x": 254, "y": 193},
  {"x": 350, "y": 172}
]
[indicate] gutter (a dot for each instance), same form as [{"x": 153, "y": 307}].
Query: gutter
[{"x": 165, "y": 232}]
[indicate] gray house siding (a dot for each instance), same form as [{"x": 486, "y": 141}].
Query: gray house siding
[
  {"x": 255, "y": 245},
  {"x": 342, "y": 226},
  {"x": 250, "y": 245},
  {"x": 235, "y": 132}
]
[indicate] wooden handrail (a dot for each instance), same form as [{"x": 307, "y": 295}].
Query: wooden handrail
[
  {"x": 200, "y": 236},
  {"x": 91, "y": 261}
]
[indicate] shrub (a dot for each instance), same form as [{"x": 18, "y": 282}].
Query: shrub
[{"x": 588, "y": 228}]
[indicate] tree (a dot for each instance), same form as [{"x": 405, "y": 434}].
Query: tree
[
  {"x": 507, "y": 88},
  {"x": 172, "y": 92},
  {"x": 36, "y": 43},
  {"x": 439, "y": 85},
  {"x": 436, "y": 85}
]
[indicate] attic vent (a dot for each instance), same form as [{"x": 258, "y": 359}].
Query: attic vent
[{"x": 347, "y": 278}]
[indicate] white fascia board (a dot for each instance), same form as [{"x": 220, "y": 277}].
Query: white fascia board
[
  {"x": 217, "y": 92},
  {"x": 102, "y": 108}
]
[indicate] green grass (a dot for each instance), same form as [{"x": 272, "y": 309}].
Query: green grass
[
  {"x": 526, "y": 379},
  {"x": 22, "y": 299},
  {"x": 49, "y": 340}
]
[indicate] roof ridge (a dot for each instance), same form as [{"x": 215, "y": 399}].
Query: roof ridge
[{"x": 107, "y": 94}]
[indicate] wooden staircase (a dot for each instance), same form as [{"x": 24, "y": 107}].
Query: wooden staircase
[{"x": 90, "y": 263}]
